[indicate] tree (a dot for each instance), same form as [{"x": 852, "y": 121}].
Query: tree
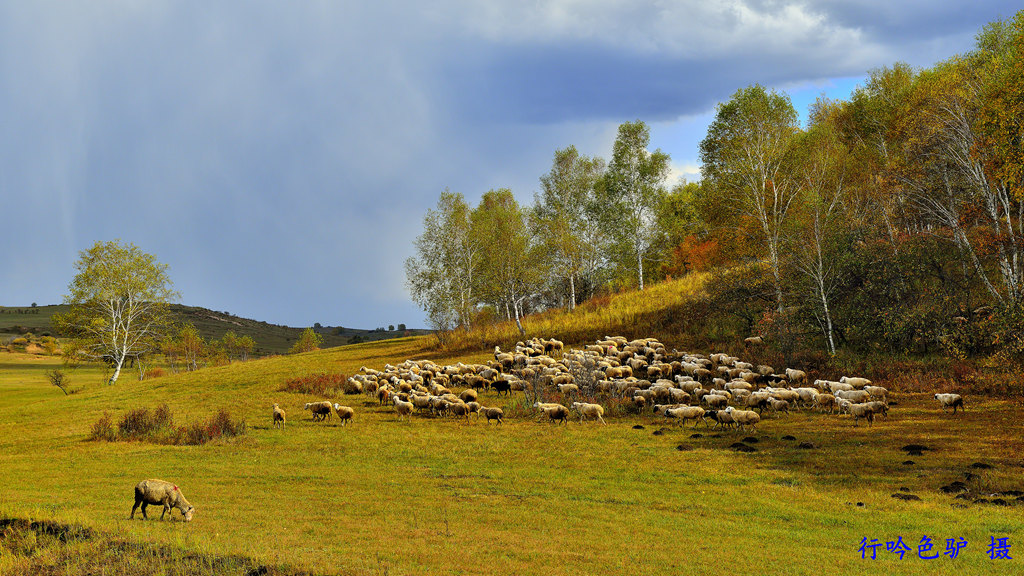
[
  {"x": 307, "y": 342},
  {"x": 119, "y": 304},
  {"x": 746, "y": 155},
  {"x": 507, "y": 272},
  {"x": 440, "y": 276},
  {"x": 563, "y": 216},
  {"x": 634, "y": 187}
]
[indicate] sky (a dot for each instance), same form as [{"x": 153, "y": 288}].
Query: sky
[{"x": 279, "y": 157}]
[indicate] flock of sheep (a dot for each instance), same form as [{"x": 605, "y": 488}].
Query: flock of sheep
[{"x": 641, "y": 373}]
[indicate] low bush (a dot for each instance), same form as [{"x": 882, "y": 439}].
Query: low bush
[{"x": 157, "y": 426}]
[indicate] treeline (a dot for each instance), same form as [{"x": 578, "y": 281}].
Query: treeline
[{"x": 892, "y": 222}]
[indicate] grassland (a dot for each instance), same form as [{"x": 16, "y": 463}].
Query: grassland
[{"x": 435, "y": 496}]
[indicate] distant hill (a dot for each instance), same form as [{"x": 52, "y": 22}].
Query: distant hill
[{"x": 270, "y": 338}]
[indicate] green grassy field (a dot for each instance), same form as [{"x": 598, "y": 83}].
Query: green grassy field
[{"x": 436, "y": 496}]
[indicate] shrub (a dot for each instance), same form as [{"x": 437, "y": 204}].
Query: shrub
[
  {"x": 221, "y": 425},
  {"x": 103, "y": 429},
  {"x": 141, "y": 424},
  {"x": 156, "y": 372},
  {"x": 320, "y": 384}
]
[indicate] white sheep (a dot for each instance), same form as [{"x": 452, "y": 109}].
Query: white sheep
[
  {"x": 586, "y": 410},
  {"x": 684, "y": 413},
  {"x": 795, "y": 376},
  {"x": 877, "y": 392},
  {"x": 744, "y": 417},
  {"x": 859, "y": 411},
  {"x": 402, "y": 408},
  {"x": 855, "y": 396},
  {"x": 858, "y": 383},
  {"x": 950, "y": 400}
]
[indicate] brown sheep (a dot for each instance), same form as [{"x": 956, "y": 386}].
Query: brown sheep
[
  {"x": 164, "y": 493},
  {"x": 493, "y": 414},
  {"x": 278, "y": 416},
  {"x": 345, "y": 413}
]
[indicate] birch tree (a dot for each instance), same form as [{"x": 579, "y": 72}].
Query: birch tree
[
  {"x": 746, "y": 154},
  {"x": 118, "y": 305},
  {"x": 634, "y": 187},
  {"x": 440, "y": 277},
  {"x": 563, "y": 218}
]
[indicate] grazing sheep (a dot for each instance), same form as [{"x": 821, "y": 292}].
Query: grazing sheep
[
  {"x": 493, "y": 414},
  {"x": 569, "y": 389},
  {"x": 345, "y": 413},
  {"x": 403, "y": 408},
  {"x": 460, "y": 409},
  {"x": 589, "y": 410},
  {"x": 879, "y": 408},
  {"x": 278, "y": 416},
  {"x": 160, "y": 492},
  {"x": 947, "y": 400},
  {"x": 779, "y": 405},
  {"x": 383, "y": 396},
  {"x": 320, "y": 410},
  {"x": 468, "y": 395}
]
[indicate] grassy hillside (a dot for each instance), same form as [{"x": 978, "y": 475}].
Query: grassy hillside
[
  {"x": 212, "y": 325},
  {"x": 436, "y": 496}
]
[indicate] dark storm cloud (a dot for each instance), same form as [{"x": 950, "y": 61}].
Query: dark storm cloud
[{"x": 280, "y": 156}]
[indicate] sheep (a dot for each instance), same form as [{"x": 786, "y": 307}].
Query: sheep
[
  {"x": 855, "y": 396},
  {"x": 947, "y": 400},
  {"x": 493, "y": 414},
  {"x": 345, "y": 413},
  {"x": 859, "y": 411},
  {"x": 278, "y": 416},
  {"x": 839, "y": 387},
  {"x": 715, "y": 401},
  {"x": 320, "y": 410},
  {"x": 744, "y": 417},
  {"x": 722, "y": 418},
  {"x": 468, "y": 395},
  {"x": 753, "y": 341},
  {"x": 759, "y": 400},
  {"x": 555, "y": 412},
  {"x": 569, "y": 389},
  {"x": 879, "y": 408},
  {"x": 160, "y": 492},
  {"x": 383, "y": 396},
  {"x": 779, "y": 405},
  {"x": 795, "y": 376},
  {"x": 823, "y": 401},
  {"x": 474, "y": 408},
  {"x": 500, "y": 386},
  {"x": 403, "y": 408},
  {"x": 459, "y": 408},
  {"x": 858, "y": 383},
  {"x": 589, "y": 410},
  {"x": 684, "y": 413},
  {"x": 877, "y": 392}
]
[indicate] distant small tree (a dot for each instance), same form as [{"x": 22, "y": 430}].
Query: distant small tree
[
  {"x": 246, "y": 346},
  {"x": 59, "y": 379},
  {"x": 401, "y": 327},
  {"x": 307, "y": 342},
  {"x": 317, "y": 326},
  {"x": 391, "y": 327}
]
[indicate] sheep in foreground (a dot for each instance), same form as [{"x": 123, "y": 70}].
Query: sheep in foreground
[
  {"x": 825, "y": 401},
  {"x": 345, "y": 413},
  {"x": 586, "y": 410},
  {"x": 320, "y": 410},
  {"x": 164, "y": 493},
  {"x": 278, "y": 416},
  {"x": 950, "y": 400}
]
